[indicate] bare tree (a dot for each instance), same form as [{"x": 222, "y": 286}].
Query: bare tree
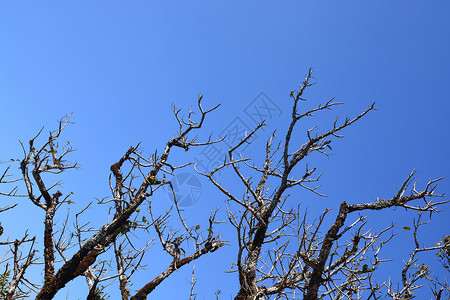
[
  {"x": 280, "y": 255},
  {"x": 79, "y": 251}
]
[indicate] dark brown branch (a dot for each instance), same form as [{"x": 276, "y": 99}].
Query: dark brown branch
[
  {"x": 331, "y": 236},
  {"x": 175, "y": 265}
]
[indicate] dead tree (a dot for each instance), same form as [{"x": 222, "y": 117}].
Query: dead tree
[
  {"x": 87, "y": 251},
  {"x": 279, "y": 254}
]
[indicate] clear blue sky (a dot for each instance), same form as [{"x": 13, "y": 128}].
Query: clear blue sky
[{"x": 119, "y": 65}]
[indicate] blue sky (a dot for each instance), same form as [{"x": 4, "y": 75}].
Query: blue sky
[{"x": 119, "y": 66}]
